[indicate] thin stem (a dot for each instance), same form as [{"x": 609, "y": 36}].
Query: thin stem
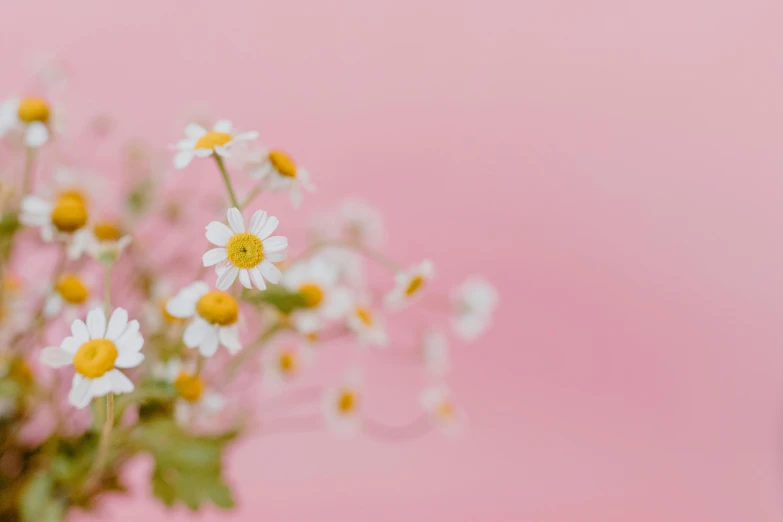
[
  {"x": 107, "y": 289},
  {"x": 27, "y": 183},
  {"x": 227, "y": 180},
  {"x": 251, "y": 195},
  {"x": 103, "y": 445}
]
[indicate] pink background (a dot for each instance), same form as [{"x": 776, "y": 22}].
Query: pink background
[{"x": 615, "y": 167}]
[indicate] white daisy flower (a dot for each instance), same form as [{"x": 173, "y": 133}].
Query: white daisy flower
[
  {"x": 437, "y": 403},
  {"x": 409, "y": 283},
  {"x": 153, "y": 312},
  {"x": 103, "y": 241},
  {"x": 474, "y": 302},
  {"x": 58, "y": 220},
  {"x": 70, "y": 291},
  {"x": 280, "y": 363},
  {"x": 435, "y": 352},
  {"x": 366, "y": 324},
  {"x": 202, "y": 143},
  {"x": 196, "y": 405},
  {"x": 31, "y": 114},
  {"x": 96, "y": 351},
  {"x": 342, "y": 405},
  {"x": 246, "y": 252},
  {"x": 280, "y": 173},
  {"x": 214, "y": 316},
  {"x": 315, "y": 281}
]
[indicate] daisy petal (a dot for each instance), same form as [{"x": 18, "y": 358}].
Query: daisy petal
[
  {"x": 275, "y": 243},
  {"x": 276, "y": 257},
  {"x": 37, "y": 134},
  {"x": 218, "y": 233},
  {"x": 214, "y": 256},
  {"x": 129, "y": 359},
  {"x": 55, "y": 357},
  {"x": 202, "y": 153},
  {"x": 235, "y": 220},
  {"x": 229, "y": 337},
  {"x": 247, "y": 136},
  {"x": 257, "y": 277},
  {"x": 96, "y": 323},
  {"x": 183, "y": 158},
  {"x": 227, "y": 278},
  {"x": 257, "y": 222},
  {"x": 194, "y": 131},
  {"x": 270, "y": 272},
  {"x": 118, "y": 382},
  {"x": 209, "y": 344},
  {"x": 244, "y": 278},
  {"x": 127, "y": 337},
  {"x": 195, "y": 332},
  {"x": 80, "y": 332},
  {"x": 222, "y": 126},
  {"x": 181, "y": 307},
  {"x": 70, "y": 345},
  {"x": 117, "y": 324},
  {"x": 80, "y": 395},
  {"x": 268, "y": 227},
  {"x": 130, "y": 343}
]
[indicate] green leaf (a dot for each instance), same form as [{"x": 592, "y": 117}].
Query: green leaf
[
  {"x": 38, "y": 503},
  {"x": 279, "y": 297}
]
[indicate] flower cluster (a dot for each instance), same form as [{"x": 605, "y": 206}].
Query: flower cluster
[{"x": 166, "y": 384}]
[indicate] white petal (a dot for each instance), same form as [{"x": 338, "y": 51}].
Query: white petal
[
  {"x": 37, "y": 134},
  {"x": 119, "y": 382},
  {"x": 214, "y": 256},
  {"x": 257, "y": 277},
  {"x": 222, "y": 150},
  {"x": 56, "y": 357},
  {"x": 261, "y": 171},
  {"x": 202, "y": 153},
  {"x": 195, "y": 332},
  {"x": 218, "y": 233},
  {"x": 128, "y": 359},
  {"x": 246, "y": 136},
  {"x": 96, "y": 323},
  {"x": 183, "y": 158},
  {"x": 80, "y": 395},
  {"x": 53, "y": 305},
  {"x": 222, "y": 126},
  {"x": 194, "y": 131},
  {"x": 275, "y": 243},
  {"x": 181, "y": 307},
  {"x": 276, "y": 257},
  {"x": 244, "y": 278},
  {"x": 117, "y": 324},
  {"x": 128, "y": 337},
  {"x": 268, "y": 228},
  {"x": 270, "y": 272},
  {"x": 70, "y": 345},
  {"x": 80, "y": 331},
  {"x": 235, "y": 220},
  {"x": 227, "y": 278},
  {"x": 229, "y": 337},
  {"x": 209, "y": 344},
  {"x": 257, "y": 221},
  {"x": 36, "y": 205},
  {"x": 130, "y": 343}
]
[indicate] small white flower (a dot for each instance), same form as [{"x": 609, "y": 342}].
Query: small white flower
[
  {"x": 31, "y": 115},
  {"x": 437, "y": 403},
  {"x": 474, "y": 302},
  {"x": 280, "y": 173},
  {"x": 435, "y": 351},
  {"x": 247, "y": 253},
  {"x": 153, "y": 313},
  {"x": 96, "y": 351},
  {"x": 280, "y": 363},
  {"x": 214, "y": 315},
  {"x": 315, "y": 281},
  {"x": 58, "y": 220},
  {"x": 69, "y": 291},
  {"x": 366, "y": 324},
  {"x": 202, "y": 143},
  {"x": 342, "y": 405},
  {"x": 409, "y": 284},
  {"x": 196, "y": 405},
  {"x": 103, "y": 241}
]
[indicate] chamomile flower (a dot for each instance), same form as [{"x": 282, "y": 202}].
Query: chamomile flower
[
  {"x": 315, "y": 282},
  {"x": 196, "y": 404},
  {"x": 409, "y": 284},
  {"x": 96, "y": 351},
  {"x": 58, "y": 219},
  {"x": 280, "y": 173},
  {"x": 69, "y": 290},
  {"x": 202, "y": 143},
  {"x": 213, "y": 318},
  {"x": 31, "y": 114},
  {"x": 435, "y": 352},
  {"x": 245, "y": 252},
  {"x": 103, "y": 241},
  {"x": 153, "y": 312},
  {"x": 342, "y": 405},
  {"x": 366, "y": 324},
  {"x": 437, "y": 403},
  {"x": 280, "y": 364},
  {"x": 474, "y": 302}
]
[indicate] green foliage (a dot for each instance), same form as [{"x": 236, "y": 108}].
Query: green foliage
[
  {"x": 9, "y": 224},
  {"x": 39, "y": 501},
  {"x": 279, "y": 297}
]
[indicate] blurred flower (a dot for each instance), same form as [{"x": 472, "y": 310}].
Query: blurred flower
[
  {"x": 409, "y": 283},
  {"x": 315, "y": 281},
  {"x": 58, "y": 220},
  {"x": 366, "y": 324},
  {"x": 248, "y": 255},
  {"x": 203, "y": 143},
  {"x": 354, "y": 221},
  {"x": 342, "y": 405},
  {"x": 436, "y": 402},
  {"x": 153, "y": 311},
  {"x": 96, "y": 350},
  {"x": 280, "y": 173},
  {"x": 474, "y": 302},
  {"x": 69, "y": 290},
  {"x": 196, "y": 405},
  {"x": 435, "y": 351},
  {"x": 280, "y": 363},
  {"x": 103, "y": 241},
  {"x": 214, "y": 318},
  {"x": 31, "y": 114}
]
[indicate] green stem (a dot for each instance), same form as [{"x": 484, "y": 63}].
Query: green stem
[
  {"x": 107, "y": 289},
  {"x": 227, "y": 180},
  {"x": 27, "y": 183}
]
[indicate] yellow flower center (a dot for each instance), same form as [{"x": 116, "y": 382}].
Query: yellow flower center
[
  {"x": 347, "y": 402},
  {"x": 94, "y": 358},
  {"x": 283, "y": 163},
  {"x": 364, "y": 315},
  {"x": 33, "y": 109},
  {"x": 165, "y": 313},
  {"x": 218, "y": 307},
  {"x": 312, "y": 294},
  {"x": 245, "y": 250},
  {"x": 415, "y": 284},
  {"x": 106, "y": 231},
  {"x": 213, "y": 139},
  {"x": 287, "y": 362},
  {"x": 11, "y": 283},
  {"x": 69, "y": 214},
  {"x": 74, "y": 193},
  {"x": 72, "y": 289},
  {"x": 189, "y": 387},
  {"x": 445, "y": 410},
  {"x": 312, "y": 337}
]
